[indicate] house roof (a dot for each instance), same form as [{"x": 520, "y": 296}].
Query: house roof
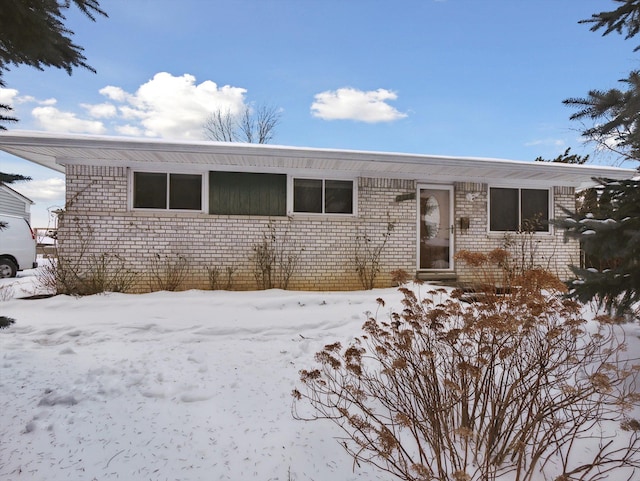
[
  {"x": 15, "y": 193},
  {"x": 58, "y": 150}
]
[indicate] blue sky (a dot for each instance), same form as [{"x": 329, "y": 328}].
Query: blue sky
[{"x": 451, "y": 77}]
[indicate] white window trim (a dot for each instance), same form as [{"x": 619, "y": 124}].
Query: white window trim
[
  {"x": 204, "y": 194},
  {"x": 290, "y": 194},
  {"x": 519, "y": 189}
]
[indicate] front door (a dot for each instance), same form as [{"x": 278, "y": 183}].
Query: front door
[{"x": 435, "y": 238}]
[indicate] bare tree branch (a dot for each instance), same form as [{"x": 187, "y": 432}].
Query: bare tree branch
[
  {"x": 267, "y": 118},
  {"x": 250, "y": 125},
  {"x": 220, "y": 126}
]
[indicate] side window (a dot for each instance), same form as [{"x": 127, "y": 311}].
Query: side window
[
  {"x": 185, "y": 191},
  {"x": 152, "y": 190},
  {"x": 338, "y": 197},
  {"x": 242, "y": 193},
  {"x": 320, "y": 196},
  {"x": 504, "y": 210},
  {"x": 149, "y": 190},
  {"x": 535, "y": 210},
  {"x": 307, "y": 195},
  {"x": 512, "y": 210}
]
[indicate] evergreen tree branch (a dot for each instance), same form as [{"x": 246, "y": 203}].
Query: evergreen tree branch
[
  {"x": 34, "y": 34},
  {"x": 624, "y": 20}
]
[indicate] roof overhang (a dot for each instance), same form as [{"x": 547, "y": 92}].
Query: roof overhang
[{"x": 55, "y": 151}]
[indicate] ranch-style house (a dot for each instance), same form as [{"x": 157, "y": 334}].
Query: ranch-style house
[{"x": 214, "y": 203}]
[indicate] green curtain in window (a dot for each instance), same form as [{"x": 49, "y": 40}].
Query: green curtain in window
[{"x": 241, "y": 193}]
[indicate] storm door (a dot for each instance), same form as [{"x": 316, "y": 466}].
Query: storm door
[{"x": 435, "y": 227}]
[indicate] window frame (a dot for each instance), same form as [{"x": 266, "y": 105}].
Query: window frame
[
  {"x": 167, "y": 199},
  {"x": 291, "y": 195},
  {"x": 550, "y": 208}
]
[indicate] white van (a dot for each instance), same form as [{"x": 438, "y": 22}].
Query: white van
[{"x": 17, "y": 245}]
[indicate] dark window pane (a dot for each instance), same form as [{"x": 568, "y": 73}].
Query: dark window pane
[
  {"x": 149, "y": 190},
  {"x": 504, "y": 209},
  {"x": 535, "y": 210},
  {"x": 307, "y": 195},
  {"x": 338, "y": 196},
  {"x": 241, "y": 193},
  {"x": 185, "y": 191}
]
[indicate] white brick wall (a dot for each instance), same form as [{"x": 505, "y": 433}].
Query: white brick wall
[{"x": 97, "y": 221}]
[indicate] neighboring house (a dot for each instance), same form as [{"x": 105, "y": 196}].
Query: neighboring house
[
  {"x": 13, "y": 202},
  {"x": 213, "y": 203}
]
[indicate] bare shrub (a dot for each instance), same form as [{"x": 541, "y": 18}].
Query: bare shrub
[
  {"x": 524, "y": 248},
  {"x": 85, "y": 273},
  {"x": 63, "y": 274},
  {"x": 167, "y": 272},
  {"x": 510, "y": 388},
  {"x": 494, "y": 274},
  {"x": 400, "y": 277},
  {"x": 229, "y": 271},
  {"x": 275, "y": 258},
  {"x": 107, "y": 273},
  {"x": 96, "y": 274},
  {"x": 367, "y": 254},
  {"x": 59, "y": 275},
  {"x": 215, "y": 274}
]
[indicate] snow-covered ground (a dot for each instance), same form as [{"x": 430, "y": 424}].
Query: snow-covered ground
[
  {"x": 192, "y": 385},
  {"x": 170, "y": 386}
]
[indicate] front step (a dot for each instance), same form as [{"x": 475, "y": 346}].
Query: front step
[{"x": 448, "y": 277}]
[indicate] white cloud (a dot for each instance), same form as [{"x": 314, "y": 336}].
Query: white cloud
[
  {"x": 352, "y": 104},
  {"x": 166, "y": 106},
  {"x": 13, "y": 98},
  {"x": 114, "y": 93},
  {"x": 8, "y": 96},
  {"x": 129, "y": 130},
  {"x": 546, "y": 142},
  {"x": 43, "y": 191},
  {"x": 173, "y": 107},
  {"x": 100, "y": 111},
  {"x": 54, "y": 120},
  {"x": 130, "y": 113}
]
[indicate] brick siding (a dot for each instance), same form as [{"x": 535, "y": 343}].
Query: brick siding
[{"x": 97, "y": 221}]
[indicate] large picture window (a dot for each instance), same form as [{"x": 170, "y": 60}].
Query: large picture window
[
  {"x": 242, "y": 193},
  {"x": 513, "y": 210},
  {"x": 320, "y": 196},
  {"x": 153, "y": 190}
]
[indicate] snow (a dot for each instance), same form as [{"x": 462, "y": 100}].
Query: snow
[
  {"x": 192, "y": 385},
  {"x": 186, "y": 386}
]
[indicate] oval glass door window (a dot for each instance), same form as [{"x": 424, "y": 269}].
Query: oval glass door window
[{"x": 431, "y": 217}]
